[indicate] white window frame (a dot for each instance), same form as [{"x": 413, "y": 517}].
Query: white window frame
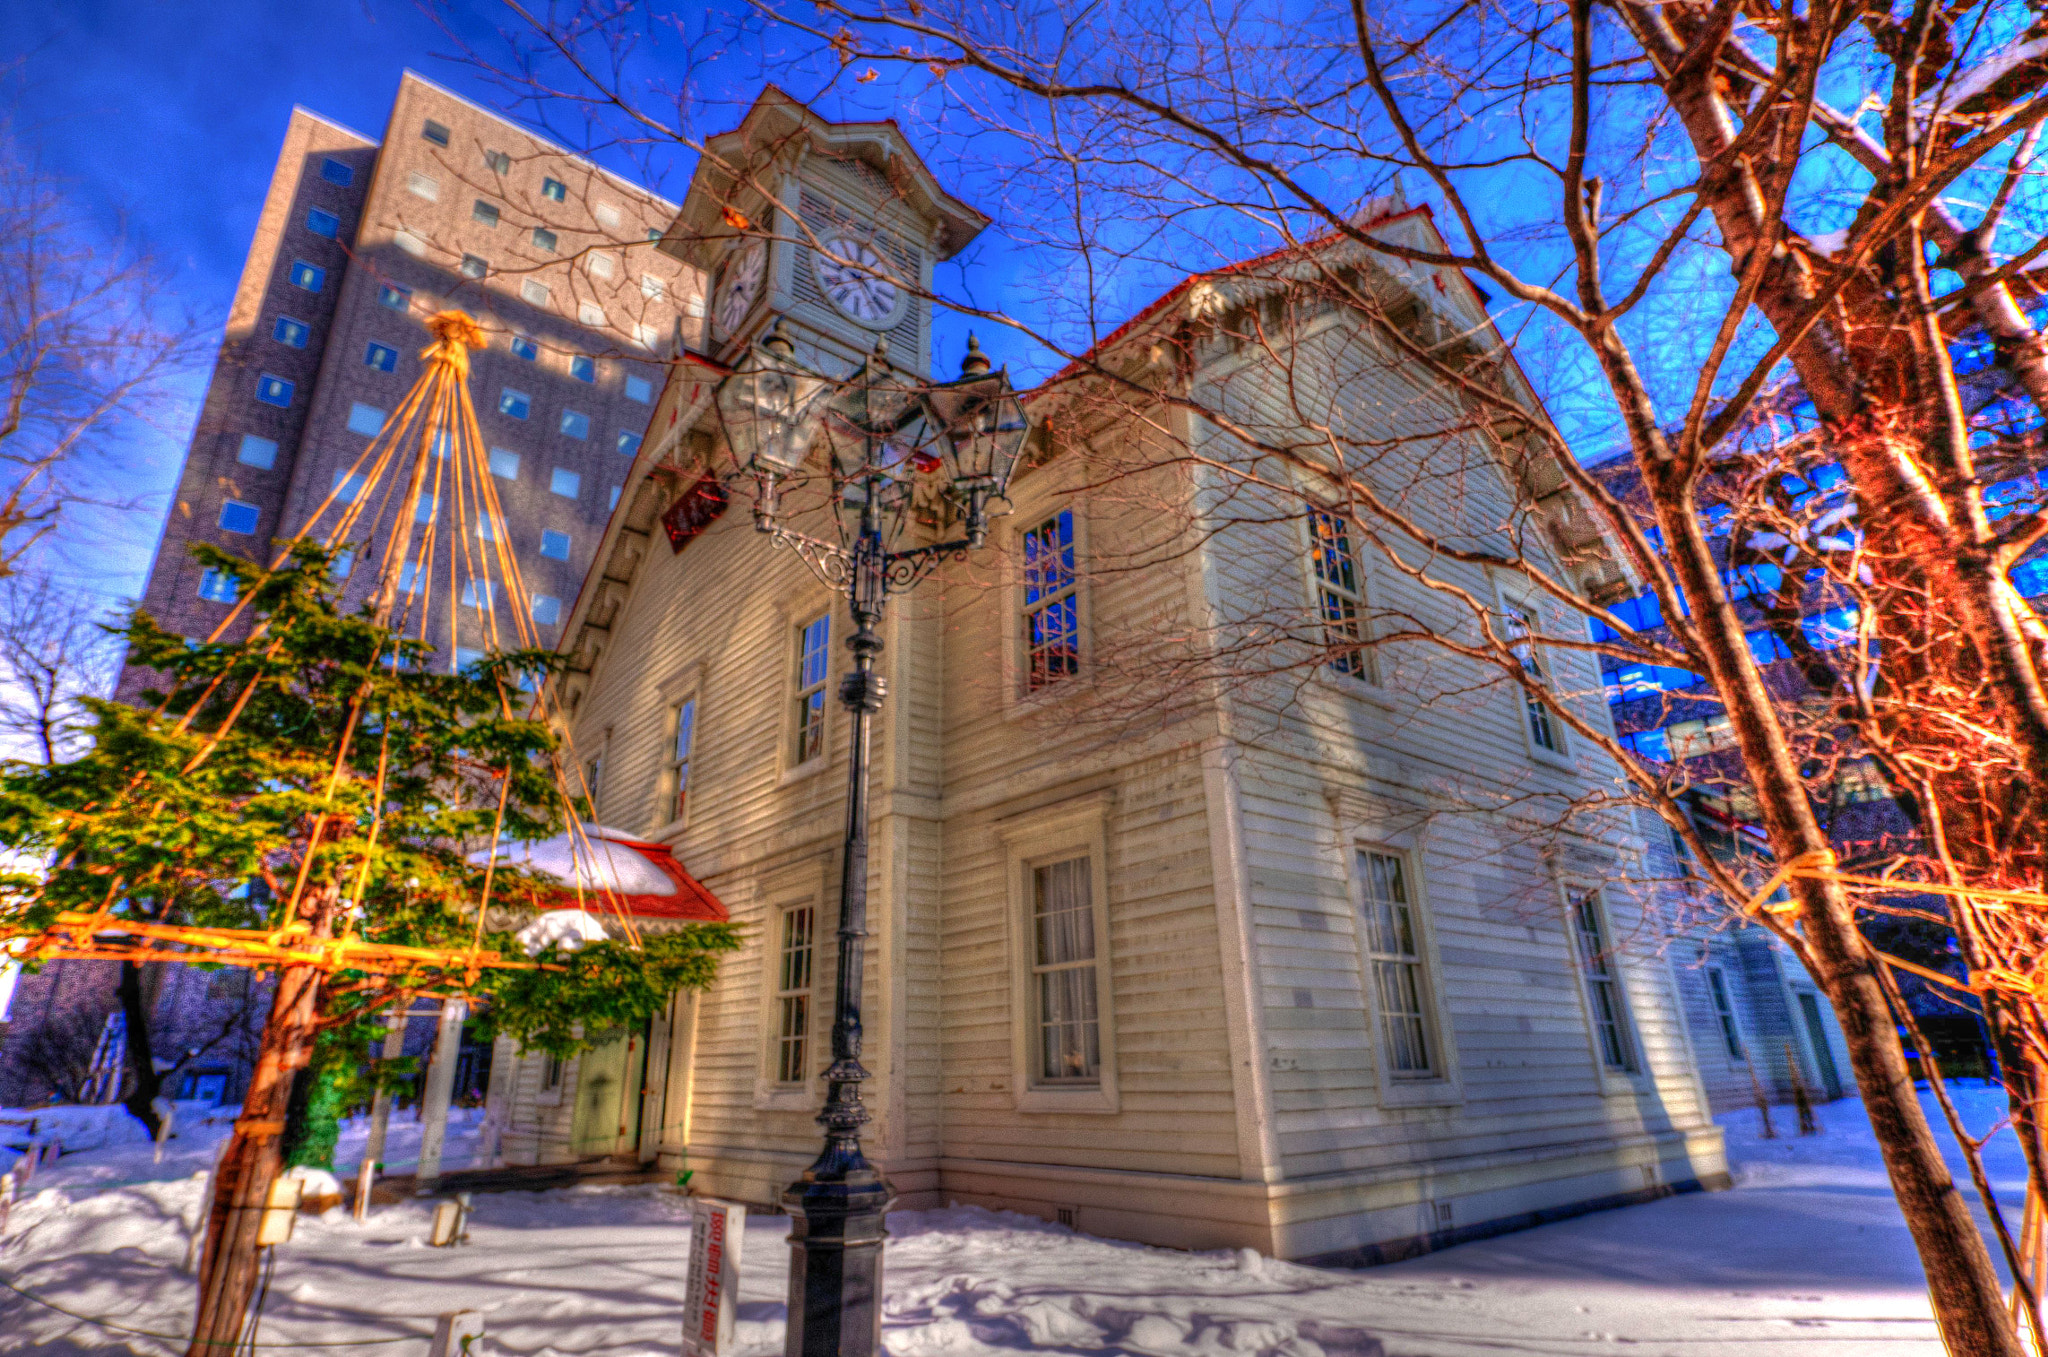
[
  {"x": 1727, "y": 1018},
  {"x": 1443, "y": 1084},
  {"x": 1634, "y": 1072},
  {"x": 793, "y": 764},
  {"x": 783, "y": 994},
  {"x": 803, "y": 885},
  {"x": 677, "y": 767},
  {"x": 1511, "y": 606},
  {"x": 1060, "y": 833}
]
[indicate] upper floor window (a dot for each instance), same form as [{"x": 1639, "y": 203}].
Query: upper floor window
[
  {"x": 1340, "y": 599},
  {"x": 601, "y": 265},
  {"x": 272, "y": 390},
  {"x": 218, "y": 586},
  {"x": 1724, "y": 1013},
  {"x": 547, "y": 610},
  {"x": 434, "y": 132},
  {"x": 1603, "y": 985},
  {"x": 629, "y": 442},
  {"x": 291, "y": 333},
  {"x": 524, "y": 348},
  {"x": 334, "y": 172},
  {"x": 639, "y": 389},
  {"x": 590, "y": 313},
  {"x": 423, "y": 186},
  {"x": 323, "y": 223},
  {"x": 395, "y": 297},
  {"x": 679, "y": 756},
  {"x": 311, "y": 277},
  {"x": 1052, "y": 618},
  {"x": 813, "y": 639},
  {"x": 1394, "y": 952},
  {"x": 576, "y": 424},
  {"x": 554, "y": 545},
  {"x": 239, "y": 517},
  {"x": 480, "y": 594},
  {"x": 411, "y": 242},
  {"x": 484, "y": 212},
  {"x": 1065, "y": 1001},
  {"x": 348, "y": 486},
  {"x": 474, "y": 266},
  {"x": 583, "y": 367},
  {"x": 566, "y": 483},
  {"x": 498, "y": 162},
  {"x": 653, "y": 288},
  {"x": 367, "y": 420},
  {"x": 554, "y": 190},
  {"x": 543, "y": 239},
  {"x": 382, "y": 357},
  {"x": 534, "y": 292},
  {"x": 607, "y": 215},
  {"x": 257, "y": 452},
  {"x": 505, "y": 463},
  {"x": 1520, "y": 630},
  {"x": 517, "y": 404}
]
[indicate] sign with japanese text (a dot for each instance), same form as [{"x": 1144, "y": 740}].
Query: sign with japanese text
[{"x": 712, "y": 1292}]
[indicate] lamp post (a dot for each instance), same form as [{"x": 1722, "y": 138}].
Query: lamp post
[{"x": 886, "y": 435}]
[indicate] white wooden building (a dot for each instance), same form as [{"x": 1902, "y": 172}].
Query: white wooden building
[{"x": 1268, "y": 969}]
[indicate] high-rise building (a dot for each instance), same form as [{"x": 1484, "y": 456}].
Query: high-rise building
[{"x": 358, "y": 243}]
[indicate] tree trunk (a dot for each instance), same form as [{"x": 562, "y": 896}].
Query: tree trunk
[
  {"x": 141, "y": 1100},
  {"x": 227, "y": 1271}
]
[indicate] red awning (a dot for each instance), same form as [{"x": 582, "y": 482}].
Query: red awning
[{"x": 618, "y": 872}]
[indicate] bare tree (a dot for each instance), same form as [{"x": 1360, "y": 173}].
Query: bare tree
[{"x": 54, "y": 651}]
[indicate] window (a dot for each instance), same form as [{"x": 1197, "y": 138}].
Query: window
[
  {"x": 487, "y": 530},
  {"x": 653, "y": 288},
  {"x": 311, "y": 277},
  {"x": 1858, "y": 781},
  {"x": 218, "y": 586},
  {"x": 583, "y": 367},
  {"x": 547, "y": 610},
  {"x": 498, "y": 162},
  {"x": 576, "y": 424},
  {"x": 1603, "y": 989},
  {"x": 1069, "y": 1030},
  {"x": 1052, "y": 620},
  {"x": 554, "y": 190},
  {"x": 812, "y": 641},
  {"x": 479, "y": 594},
  {"x": 410, "y": 243},
  {"x": 534, "y": 293},
  {"x": 290, "y": 333},
  {"x": 517, "y": 404},
  {"x": 639, "y": 389},
  {"x": 423, "y": 186},
  {"x": 1724, "y": 1013},
  {"x": 434, "y": 132},
  {"x": 348, "y": 487},
  {"x": 566, "y": 483},
  {"x": 365, "y": 419},
  {"x": 629, "y": 442},
  {"x": 543, "y": 239},
  {"x": 607, "y": 215},
  {"x": 344, "y": 562},
  {"x": 239, "y": 517},
  {"x": 505, "y": 463},
  {"x": 382, "y": 357},
  {"x": 679, "y": 756},
  {"x": 322, "y": 223},
  {"x": 274, "y": 391},
  {"x": 1339, "y": 597},
  {"x": 334, "y": 172},
  {"x": 590, "y": 313},
  {"x": 1708, "y": 735},
  {"x": 793, "y": 995},
  {"x": 615, "y": 497},
  {"x": 553, "y": 545},
  {"x": 1395, "y": 955},
  {"x": 257, "y": 452},
  {"x": 424, "y": 509},
  {"x": 1517, "y": 625},
  {"x": 484, "y": 212},
  {"x": 409, "y": 578},
  {"x": 601, "y": 265},
  {"x": 474, "y": 266},
  {"x": 397, "y": 298},
  {"x": 646, "y": 336},
  {"x": 465, "y": 657},
  {"x": 524, "y": 348}
]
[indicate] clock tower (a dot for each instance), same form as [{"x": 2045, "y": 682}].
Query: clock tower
[{"x": 833, "y": 226}]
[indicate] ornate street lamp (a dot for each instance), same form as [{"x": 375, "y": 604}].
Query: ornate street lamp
[{"x": 885, "y": 433}]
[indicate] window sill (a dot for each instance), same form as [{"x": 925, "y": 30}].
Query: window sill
[
  {"x": 1421, "y": 1093},
  {"x": 1546, "y": 758},
  {"x": 1023, "y": 704},
  {"x": 1356, "y": 689},
  {"x": 786, "y": 1098},
  {"x": 809, "y": 768},
  {"x": 1099, "y": 1101}
]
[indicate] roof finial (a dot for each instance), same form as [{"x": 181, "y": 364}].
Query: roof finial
[
  {"x": 976, "y": 362},
  {"x": 778, "y": 342}
]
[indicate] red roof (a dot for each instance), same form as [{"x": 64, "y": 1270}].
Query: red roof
[{"x": 689, "y": 900}]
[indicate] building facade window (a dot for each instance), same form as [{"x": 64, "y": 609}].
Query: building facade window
[
  {"x": 517, "y": 404},
  {"x": 322, "y": 223},
  {"x": 218, "y": 586},
  {"x": 812, "y": 648},
  {"x": 272, "y": 390},
  {"x": 553, "y": 545},
  {"x": 566, "y": 483},
  {"x": 554, "y": 190},
  {"x": 1520, "y": 630},
  {"x": 1340, "y": 595},
  {"x": 257, "y": 452},
  {"x": 1603, "y": 985},
  {"x": 591, "y": 314},
  {"x": 434, "y": 132},
  {"x": 1393, "y": 950},
  {"x": 685, "y": 723},
  {"x": 505, "y": 464},
  {"x": 583, "y": 367},
  {"x": 639, "y": 389},
  {"x": 534, "y": 293},
  {"x": 411, "y": 242},
  {"x": 480, "y": 594},
  {"x": 367, "y": 420},
  {"x": 629, "y": 442},
  {"x": 310, "y": 277},
  {"x": 348, "y": 486},
  {"x": 600, "y": 264},
  {"x": 291, "y": 333},
  {"x": 394, "y": 297},
  {"x": 474, "y": 266},
  {"x": 575, "y": 424},
  {"x": 1067, "y": 1024},
  {"x": 653, "y": 288},
  {"x": 334, "y": 172},
  {"x": 547, "y": 609},
  {"x": 1052, "y": 617},
  {"x": 524, "y": 348},
  {"x": 382, "y": 357},
  {"x": 498, "y": 162},
  {"x": 423, "y": 186},
  {"x": 484, "y": 213},
  {"x": 239, "y": 517},
  {"x": 793, "y": 955},
  {"x": 1724, "y": 1014},
  {"x": 543, "y": 239}
]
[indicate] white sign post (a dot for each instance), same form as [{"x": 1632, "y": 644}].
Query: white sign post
[{"x": 712, "y": 1298}]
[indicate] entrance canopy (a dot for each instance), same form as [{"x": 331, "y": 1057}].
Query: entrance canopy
[{"x": 616, "y": 871}]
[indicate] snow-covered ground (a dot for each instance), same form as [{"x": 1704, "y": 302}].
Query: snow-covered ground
[{"x": 1806, "y": 1255}]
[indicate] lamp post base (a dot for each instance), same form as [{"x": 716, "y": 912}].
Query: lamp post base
[{"x": 835, "y": 1263}]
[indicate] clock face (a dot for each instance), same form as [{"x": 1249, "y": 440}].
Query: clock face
[
  {"x": 739, "y": 285},
  {"x": 856, "y": 285}
]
